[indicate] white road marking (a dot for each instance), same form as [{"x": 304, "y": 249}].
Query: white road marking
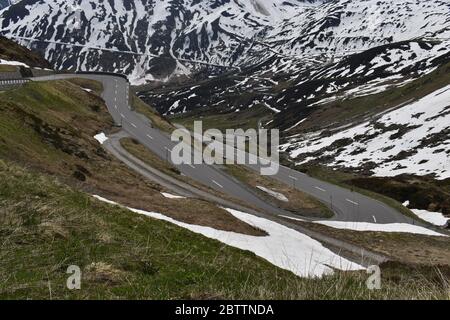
[
  {"x": 374, "y": 219},
  {"x": 190, "y": 165},
  {"x": 294, "y": 178},
  {"x": 352, "y": 202},
  {"x": 122, "y": 115},
  {"x": 133, "y": 125},
  {"x": 215, "y": 182},
  {"x": 150, "y": 137},
  {"x": 115, "y": 106},
  {"x": 319, "y": 188}
]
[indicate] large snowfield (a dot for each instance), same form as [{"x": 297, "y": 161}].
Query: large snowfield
[
  {"x": 283, "y": 247},
  {"x": 422, "y": 123}
]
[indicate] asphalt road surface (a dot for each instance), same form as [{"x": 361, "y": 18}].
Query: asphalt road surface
[{"x": 347, "y": 205}]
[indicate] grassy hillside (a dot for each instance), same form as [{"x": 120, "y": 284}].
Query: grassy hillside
[
  {"x": 46, "y": 226},
  {"x": 50, "y": 165},
  {"x": 50, "y": 127},
  {"x": 299, "y": 202},
  {"x": 9, "y": 50}
]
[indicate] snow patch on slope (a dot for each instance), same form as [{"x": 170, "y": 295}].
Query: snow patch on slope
[
  {"x": 283, "y": 247},
  {"x": 13, "y": 63},
  {"x": 274, "y": 194},
  {"x": 435, "y": 218},
  {"x": 414, "y": 139},
  {"x": 101, "y": 138}
]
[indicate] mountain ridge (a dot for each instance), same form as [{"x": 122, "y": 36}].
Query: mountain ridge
[{"x": 220, "y": 33}]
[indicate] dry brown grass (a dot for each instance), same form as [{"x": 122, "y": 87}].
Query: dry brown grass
[
  {"x": 299, "y": 202},
  {"x": 157, "y": 120},
  {"x": 148, "y": 259},
  {"x": 8, "y": 68}
]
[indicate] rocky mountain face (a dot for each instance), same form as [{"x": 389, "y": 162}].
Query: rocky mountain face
[{"x": 150, "y": 39}]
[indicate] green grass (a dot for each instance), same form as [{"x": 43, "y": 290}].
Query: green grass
[
  {"x": 150, "y": 113},
  {"x": 57, "y": 137},
  {"x": 47, "y": 226},
  {"x": 139, "y": 151},
  {"x": 48, "y": 223},
  {"x": 39, "y": 119},
  {"x": 350, "y": 110}
]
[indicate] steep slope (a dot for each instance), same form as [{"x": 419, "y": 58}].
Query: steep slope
[
  {"x": 392, "y": 132},
  {"x": 158, "y": 39},
  {"x": 159, "y": 32},
  {"x": 412, "y": 139},
  {"x": 11, "y": 51},
  {"x": 47, "y": 226},
  {"x": 279, "y": 84}
]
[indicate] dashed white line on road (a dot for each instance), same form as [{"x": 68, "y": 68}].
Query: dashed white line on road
[
  {"x": 319, "y": 188},
  {"x": 374, "y": 219},
  {"x": 215, "y": 182},
  {"x": 150, "y": 137},
  {"x": 122, "y": 115},
  {"x": 352, "y": 202},
  {"x": 134, "y": 126},
  {"x": 294, "y": 178},
  {"x": 190, "y": 165}
]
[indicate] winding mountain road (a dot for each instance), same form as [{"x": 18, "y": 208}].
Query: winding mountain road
[{"x": 347, "y": 205}]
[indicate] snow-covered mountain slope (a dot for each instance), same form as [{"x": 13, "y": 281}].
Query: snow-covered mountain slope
[
  {"x": 413, "y": 139},
  {"x": 283, "y": 84},
  {"x": 348, "y": 26},
  {"x": 161, "y": 32},
  {"x": 182, "y": 36}
]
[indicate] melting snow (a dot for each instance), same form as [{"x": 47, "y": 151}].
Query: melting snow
[
  {"x": 283, "y": 247},
  {"x": 274, "y": 194},
  {"x": 101, "y": 138},
  {"x": 375, "y": 227},
  {"x": 435, "y": 218},
  {"x": 171, "y": 196},
  {"x": 13, "y": 63}
]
